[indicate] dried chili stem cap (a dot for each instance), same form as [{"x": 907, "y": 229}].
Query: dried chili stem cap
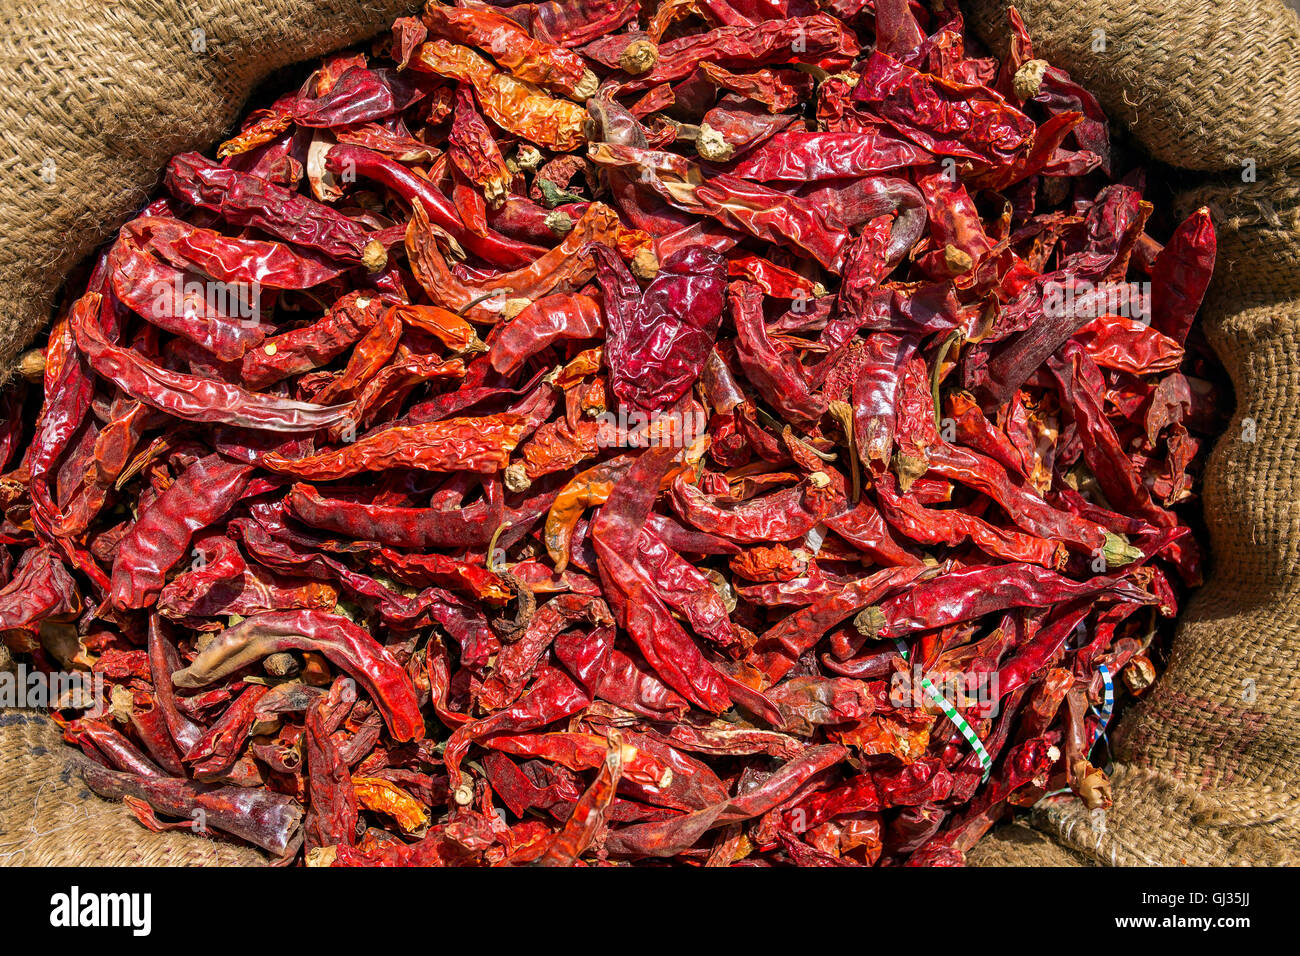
[
  {"x": 587, "y": 86},
  {"x": 280, "y": 664},
  {"x": 711, "y": 146},
  {"x": 645, "y": 264},
  {"x": 559, "y": 222},
  {"x": 516, "y": 478},
  {"x": 31, "y": 365},
  {"x": 1029, "y": 78},
  {"x": 639, "y": 56},
  {"x": 374, "y": 256}
]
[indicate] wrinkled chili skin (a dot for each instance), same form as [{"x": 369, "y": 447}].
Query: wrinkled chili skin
[
  {"x": 161, "y": 536},
  {"x": 658, "y": 340},
  {"x": 251, "y": 201},
  {"x": 335, "y": 637},
  {"x": 731, "y": 433}
]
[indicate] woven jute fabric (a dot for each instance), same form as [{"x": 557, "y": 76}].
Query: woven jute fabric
[
  {"x": 95, "y": 97},
  {"x": 1202, "y": 84},
  {"x": 1019, "y": 844}
]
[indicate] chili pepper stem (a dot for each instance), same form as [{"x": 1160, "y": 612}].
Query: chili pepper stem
[
  {"x": 935, "y": 376},
  {"x": 843, "y": 413}
]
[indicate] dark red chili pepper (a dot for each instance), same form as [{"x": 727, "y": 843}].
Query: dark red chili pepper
[
  {"x": 364, "y": 162},
  {"x": 191, "y": 397},
  {"x": 160, "y": 537},
  {"x": 336, "y": 637},
  {"x": 658, "y": 340},
  {"x": 788, "y": 350},
  {"x": 244, "y": 200}
]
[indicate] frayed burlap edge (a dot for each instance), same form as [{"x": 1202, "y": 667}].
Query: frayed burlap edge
[
  {"x": 1019, "y": 844},
  {"x": 1152, "y": 814}
]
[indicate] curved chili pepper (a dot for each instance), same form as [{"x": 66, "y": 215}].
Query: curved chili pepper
[
  {"x": 542, "y": 323},
  {"x": 587, "y": 489},
  {"x": 245, "y": 200},
  {"x": 336, "y": 637},
  {"x": 273, "y": 265},
  {"x": 225, "y": 325},
  {"x": 264, "y": 818},
  {"x": 1181, "y": 274},
  {"x": 533, "y": 60},
  {"x": 972, "y": 592},
  {"x": 780, "y": 516},
  {"x": 775, "y": 373},
  {"x": 189, "y": 397},
  {"x": 513, "y": 105},
  {"x": 475, "y": 444},
  {"x": 559, "y": 270},
  {"x": 311, "y": 346},
  {"x": 414, "y": 190}
]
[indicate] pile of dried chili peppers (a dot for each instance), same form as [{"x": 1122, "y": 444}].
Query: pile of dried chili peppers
[{"x": 726, "y": 431}]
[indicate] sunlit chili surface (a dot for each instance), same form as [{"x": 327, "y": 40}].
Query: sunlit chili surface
[{"x": 721, "y": 432}]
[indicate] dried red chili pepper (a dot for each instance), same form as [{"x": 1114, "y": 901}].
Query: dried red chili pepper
[
  {"x": 264, "y": 818},
  {"x": 761, "y": 385},
  {"x": 160, "y": 537},
  {"x": 187, "y": 396},
  {"x": 244, "y": 200},
  {"x": 514, "y": 105},
  {"x": 40, "y": 589},
  {"x": 658, "y": 340},
  {"x": 337, "y": 638},
  {"x": 533, "y": 60},
  {"x": 479, "y": 444}
]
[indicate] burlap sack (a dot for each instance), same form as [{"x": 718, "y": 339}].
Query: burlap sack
[
  {"x": 95, "y": 96},
  {"x": 1206, "y": 767}
]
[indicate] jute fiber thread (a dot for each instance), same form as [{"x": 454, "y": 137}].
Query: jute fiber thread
[
  {"x": 1205, "y": 774},
  {"x": 1208, "y": 764},
  {"x": 95, "y": 97}
]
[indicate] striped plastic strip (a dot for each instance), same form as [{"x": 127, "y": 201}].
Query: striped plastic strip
[
  {"x": 958, "y": 720},
  {"x": 1103, "y": 718},
  {"x": 1107, "y": 704}
]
